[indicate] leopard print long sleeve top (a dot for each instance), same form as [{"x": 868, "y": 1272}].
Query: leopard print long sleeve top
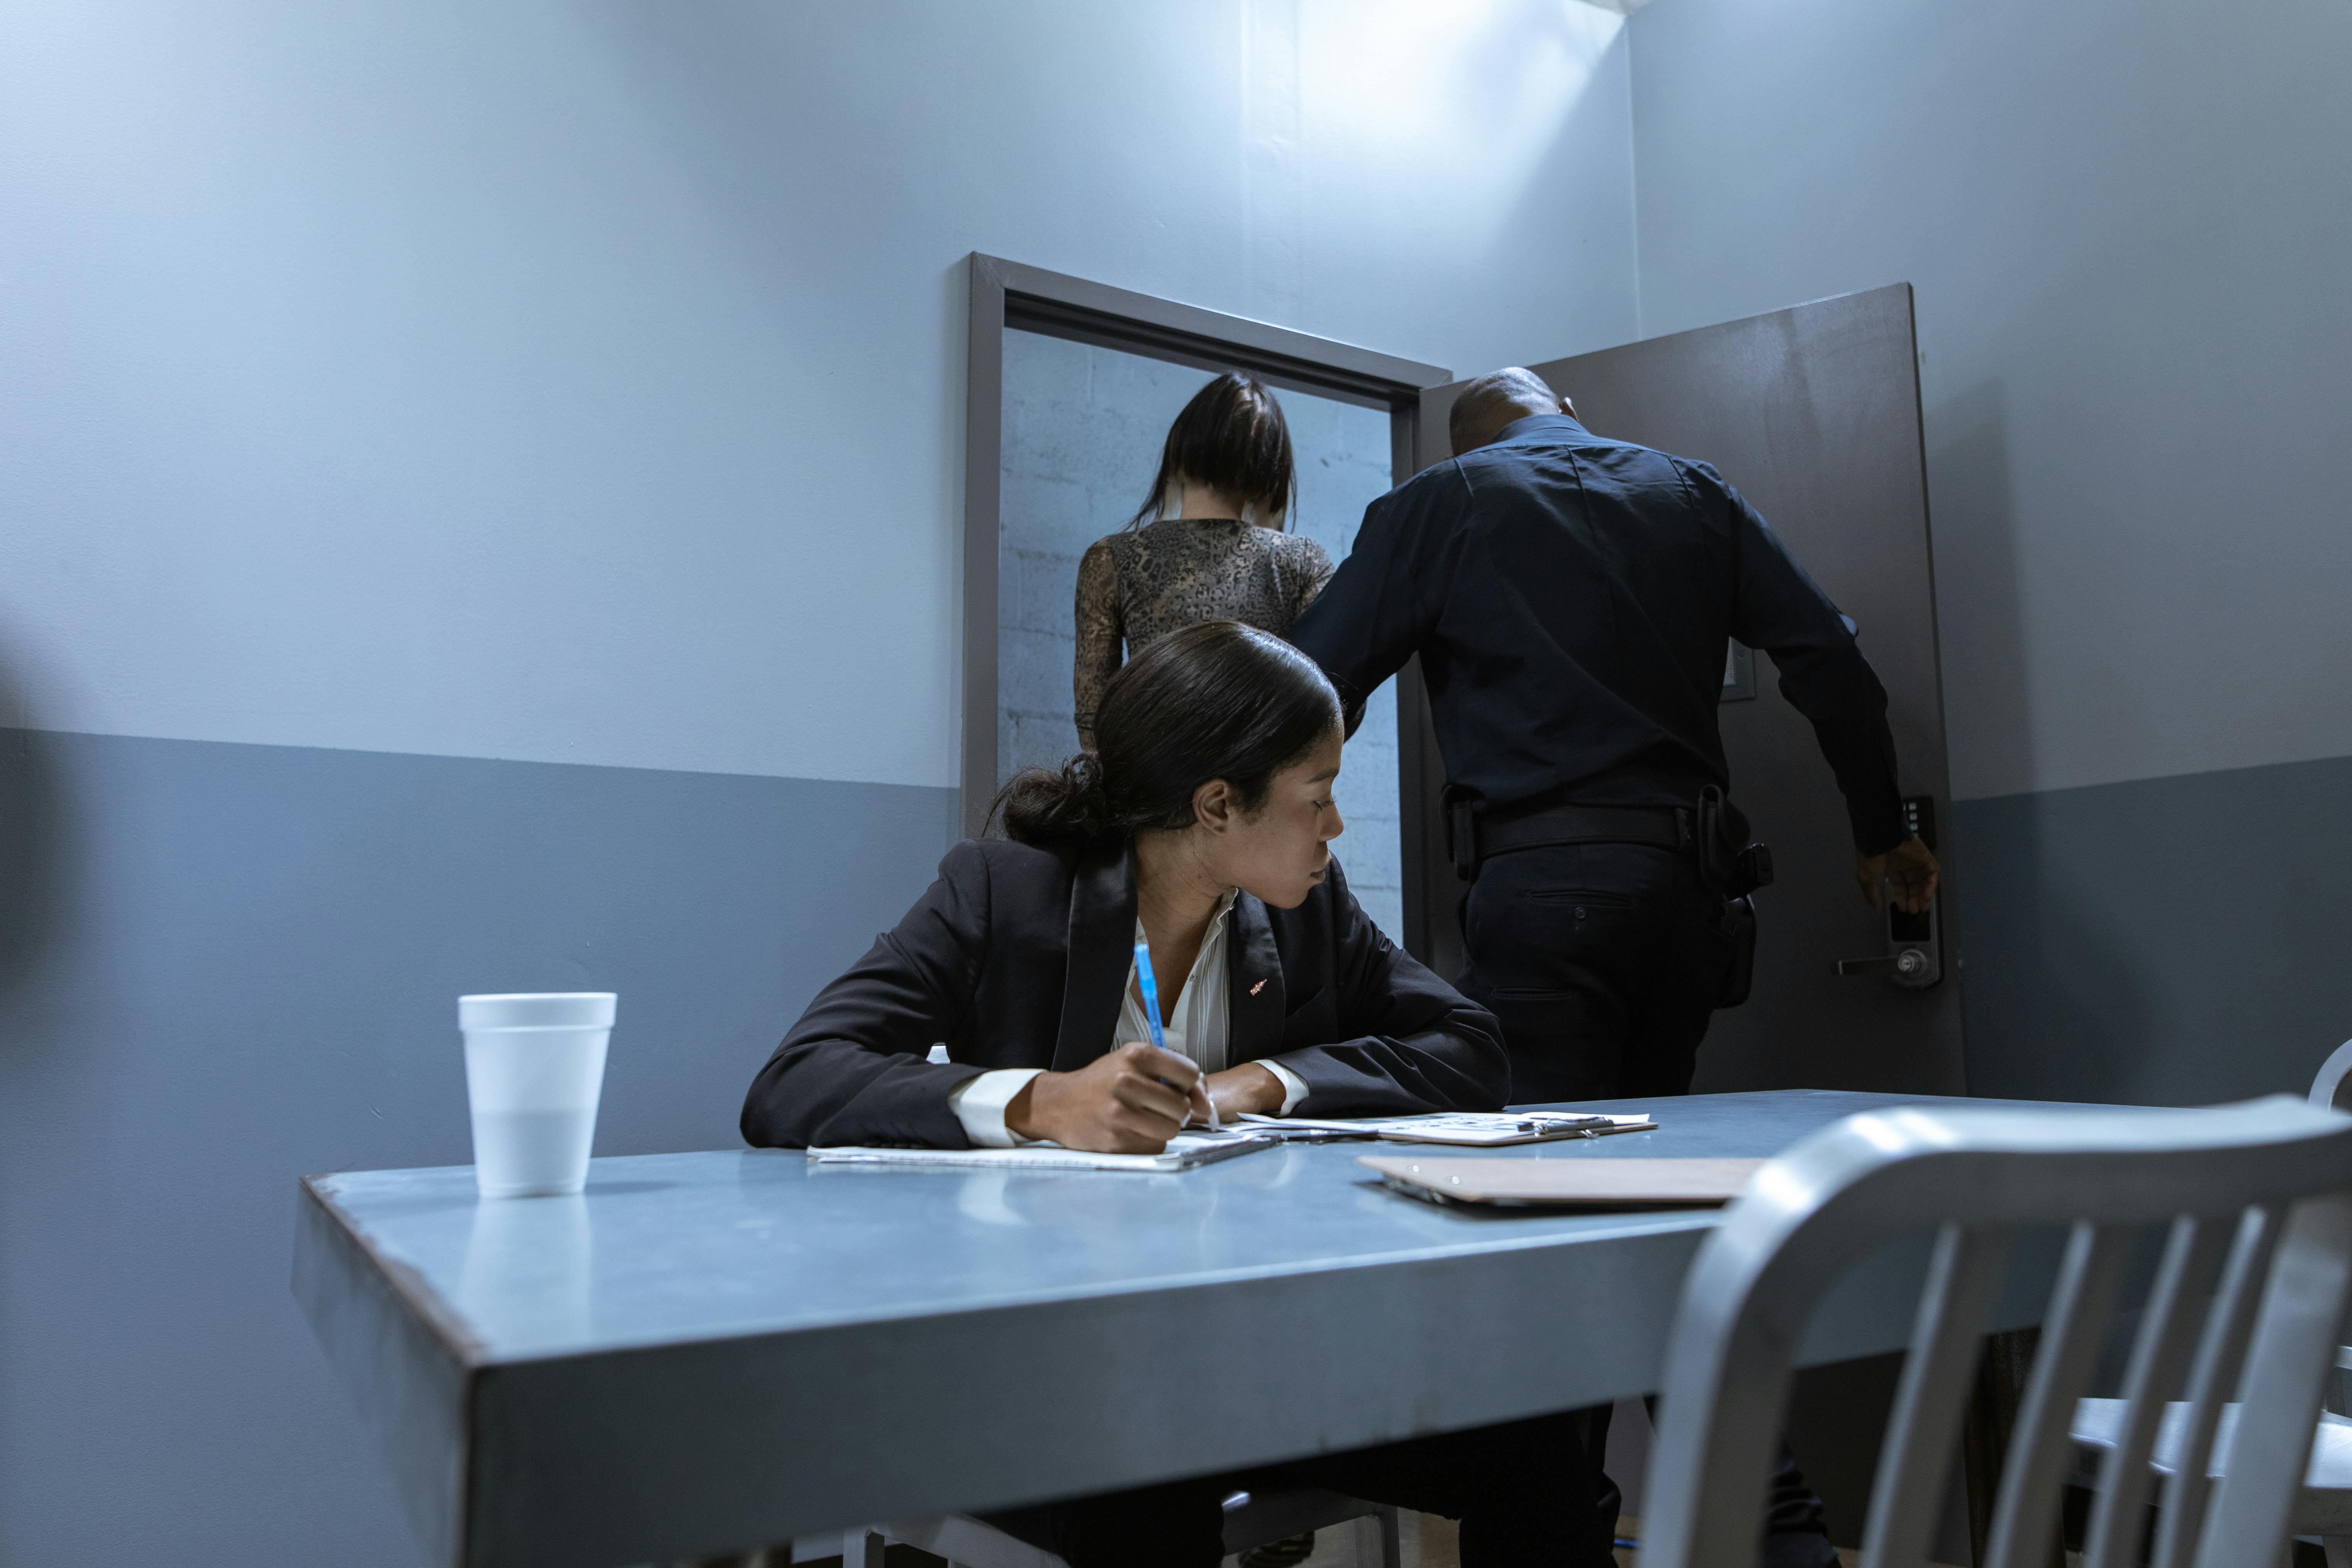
[{"x": 1145, "y": 583}]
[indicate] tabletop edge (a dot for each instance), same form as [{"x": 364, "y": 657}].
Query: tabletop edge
[{"x": 406, "y": 1282}]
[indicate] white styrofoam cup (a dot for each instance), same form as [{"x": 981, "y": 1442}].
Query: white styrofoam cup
[{"x": 534, "y": 1073}]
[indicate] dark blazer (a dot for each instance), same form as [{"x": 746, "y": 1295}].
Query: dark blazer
[{"x": 1016, "y": 958}]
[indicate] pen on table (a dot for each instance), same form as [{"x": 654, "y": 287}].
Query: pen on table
[{"x": 1150, "y": 989}]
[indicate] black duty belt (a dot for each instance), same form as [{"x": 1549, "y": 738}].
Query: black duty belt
[{"x": 1475, "y": 835}]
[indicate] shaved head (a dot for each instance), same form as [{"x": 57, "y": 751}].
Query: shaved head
[{"x": 1495, "y": 400}]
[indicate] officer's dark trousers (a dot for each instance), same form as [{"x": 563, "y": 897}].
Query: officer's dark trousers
[
  {"x": 1504, "y": 1483},
  {"x": 1603, "y": 963}
]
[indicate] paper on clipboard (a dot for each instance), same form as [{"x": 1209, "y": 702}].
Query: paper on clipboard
[{"x": 1463, "y": 1129}]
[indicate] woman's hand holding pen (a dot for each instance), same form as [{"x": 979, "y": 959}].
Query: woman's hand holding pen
[{"x": 1127, "y": 1101}]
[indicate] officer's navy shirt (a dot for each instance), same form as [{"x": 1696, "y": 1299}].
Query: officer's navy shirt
[{"x": 1570, "y": 597}]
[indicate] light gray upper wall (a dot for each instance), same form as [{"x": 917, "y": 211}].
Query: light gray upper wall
[
  {"x": 2127, "y": 223},
  {"x": 582, "y": 382}
]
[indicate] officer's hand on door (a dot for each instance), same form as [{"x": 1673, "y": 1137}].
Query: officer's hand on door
[{"x": 1909, "y": 870}]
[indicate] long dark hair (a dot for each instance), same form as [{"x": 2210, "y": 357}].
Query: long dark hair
[
  {"x": 1216, "y": 700},
  {"x": 1231, "y": 437}
]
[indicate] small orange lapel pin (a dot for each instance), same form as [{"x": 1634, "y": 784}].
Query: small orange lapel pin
[{"x": 1258, "y": 987}]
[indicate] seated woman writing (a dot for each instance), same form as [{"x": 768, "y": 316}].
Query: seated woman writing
[{"x": 1199, "y": 825}]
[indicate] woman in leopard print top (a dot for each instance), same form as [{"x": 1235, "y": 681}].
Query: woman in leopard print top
[{"x": 1227, "y": 470}]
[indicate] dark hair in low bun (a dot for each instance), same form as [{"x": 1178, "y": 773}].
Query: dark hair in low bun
[
  {"x": 1216, "y": 700},
  {"x": 1039, "y": 805}
]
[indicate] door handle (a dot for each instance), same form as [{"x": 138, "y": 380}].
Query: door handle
[
  {"x": 1915, "y": 944},
  {"x": 1913, "y": 949},
  {"x": 1909, "y": 967}
]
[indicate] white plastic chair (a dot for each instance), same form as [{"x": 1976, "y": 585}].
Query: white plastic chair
[
  {"x": 2254, "y": 1205},
  {"x": 1252, "y": 1520}
]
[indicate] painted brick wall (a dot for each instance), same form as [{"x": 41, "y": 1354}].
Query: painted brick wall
[{"x": 1083, "y": 429}]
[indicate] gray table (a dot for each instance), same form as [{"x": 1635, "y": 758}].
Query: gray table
[{"x": 715, "y": 1350}]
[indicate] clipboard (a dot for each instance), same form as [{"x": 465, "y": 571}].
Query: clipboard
[{"x": 1567, "y": 1184}]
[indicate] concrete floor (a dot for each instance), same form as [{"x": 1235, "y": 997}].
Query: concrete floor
[{"x": 1430, "y": 1542}]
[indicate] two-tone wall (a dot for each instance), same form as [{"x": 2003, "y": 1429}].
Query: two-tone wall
[
  {"x": 477, "y": 502},
  {"x": 2127, "y": 225},
  {"x": 479, "y": 510}
]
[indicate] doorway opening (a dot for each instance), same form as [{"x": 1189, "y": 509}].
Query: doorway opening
[{"x": 1072, "y": 388}]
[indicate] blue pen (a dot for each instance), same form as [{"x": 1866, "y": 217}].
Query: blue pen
[{"x": 1150, "y": 989}]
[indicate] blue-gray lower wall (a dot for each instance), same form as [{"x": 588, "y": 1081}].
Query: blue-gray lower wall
[
  {"x": 2166, "y": 941},
  {"x": 224, "y": 966}
]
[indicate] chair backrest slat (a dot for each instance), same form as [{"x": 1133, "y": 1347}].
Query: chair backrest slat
[
  {"x": 2192, "y": 1258},
  {"x": 2220, "y": 1354},
  {"x": 1947, "y": 1342},
  {"x": 2025, "y": 1519},
  {"x": 2331, "y": 1089},
  {"x": 2294, "y": 1344}
]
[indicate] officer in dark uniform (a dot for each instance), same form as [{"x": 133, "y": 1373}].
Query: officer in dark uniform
[{"x": 1572, "y": 598}]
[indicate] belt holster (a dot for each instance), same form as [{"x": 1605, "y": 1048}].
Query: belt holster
[
  {"x": 1459, "y": 807},
  {"x": 1734, "y": 867},
  {"x": 1727, "y": 861},
  {"x": 1737, "y": 924}
]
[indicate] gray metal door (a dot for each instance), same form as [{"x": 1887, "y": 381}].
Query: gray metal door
[{"x": 1814, "y": 413}]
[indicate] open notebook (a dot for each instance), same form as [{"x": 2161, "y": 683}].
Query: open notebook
[{"x": 1185, "y": 1152}]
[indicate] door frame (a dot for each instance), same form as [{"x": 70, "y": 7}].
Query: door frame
[{"x": 1008, "y": 294}]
